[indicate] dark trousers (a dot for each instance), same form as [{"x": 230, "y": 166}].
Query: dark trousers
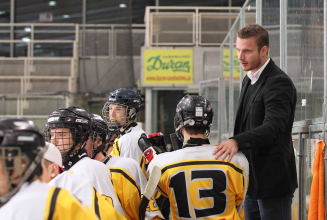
[{"x": 268, "y": 209}]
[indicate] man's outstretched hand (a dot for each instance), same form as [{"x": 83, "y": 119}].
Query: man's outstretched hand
[{"x": 225, "y": 148}]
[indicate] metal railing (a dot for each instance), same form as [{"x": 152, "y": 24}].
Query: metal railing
[
  {"x": 35, "y": 79},
  {"x": 39, "y": 35},
  {"x": 188, "y": 26}
]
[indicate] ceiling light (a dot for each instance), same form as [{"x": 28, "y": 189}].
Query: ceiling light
[
  {"x": 26, "y": 39},
  {"x": 123, "y": 5},
  {"x": 52, "y": 3},
  {"x": 27, "y": 29},
  {"x": 66, "y": 16},
  {"x": 2, "y": 12}
]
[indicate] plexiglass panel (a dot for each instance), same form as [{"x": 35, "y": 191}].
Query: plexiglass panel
[
  {"x": 305, "y": 58},
  {"x": 210, "y": 91}
]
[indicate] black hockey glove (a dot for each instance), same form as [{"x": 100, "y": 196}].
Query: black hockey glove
[
  {"x": 158, "y": 140},
  {"x": 150, "y": 150}
]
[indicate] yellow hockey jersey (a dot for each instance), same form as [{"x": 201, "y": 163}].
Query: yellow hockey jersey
[
  {"x": 201, "y": 187},
  {"x": 39, "y": 201},
  {"x": 103, "y": 206},
  {"x": 129, "y": 184}
]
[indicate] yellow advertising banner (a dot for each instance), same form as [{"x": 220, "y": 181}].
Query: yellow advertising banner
[
  {"x": 168, "y": 66},
  {"x": 236, "y": 65}
]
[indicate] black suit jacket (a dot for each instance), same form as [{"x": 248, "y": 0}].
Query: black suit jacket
[{"x": 262, "y": 130}]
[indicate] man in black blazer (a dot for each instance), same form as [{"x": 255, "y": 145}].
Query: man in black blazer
[{"x": 263, "y": 128}]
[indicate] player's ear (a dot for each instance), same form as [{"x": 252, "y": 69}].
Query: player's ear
[{"x": 264, "y": 50}]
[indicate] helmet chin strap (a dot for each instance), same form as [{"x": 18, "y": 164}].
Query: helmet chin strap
[
  {"x": 126, "y": 126},
  {"x": 98, "y": 149},
  {"x": 73, "y": 150}
]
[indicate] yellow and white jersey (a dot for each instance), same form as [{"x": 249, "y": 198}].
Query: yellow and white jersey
[
  {"x": 201, "y": 187},
  {"x": 127, "y": 146},
  {"x": 39, "y": 201},
  {"x": 96, "y": 172},
  {"x": 105, "y": 207},
  {"x": 129, "y": 184}
]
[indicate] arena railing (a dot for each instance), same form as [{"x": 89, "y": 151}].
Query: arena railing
[{"x": 188, "y": 26}]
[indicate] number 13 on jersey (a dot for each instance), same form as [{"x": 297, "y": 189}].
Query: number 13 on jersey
[{"x": 199, "y": 193}]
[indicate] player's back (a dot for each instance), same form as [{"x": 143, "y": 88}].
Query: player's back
[
  {"x": 82, "y": 189},
  {"x": 129, "y": 183},
  {"x": 199, "y": 186},
  {"x": 130, "y": 166},
  {"x": 38, "y": 201}
]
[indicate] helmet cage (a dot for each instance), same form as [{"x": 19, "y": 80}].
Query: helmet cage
[
  {"x": 127, "y": 98},
  {"x": 69, "y": 139},
  {"x": 95, "y": 149},
  {"x": 77, "y": 124},
  {"x": 99, "y": 132},
  {"x": 11, "y": 162},
  {"x": 116, "y": 123}
]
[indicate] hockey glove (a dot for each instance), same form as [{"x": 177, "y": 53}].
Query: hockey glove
[
  {"x": 158, "y": 140},
  {"x": 149, "y": 150}
]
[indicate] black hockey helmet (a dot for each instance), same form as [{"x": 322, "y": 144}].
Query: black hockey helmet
[
  {"x": 193, "y": 110},
  {"x": 127, "y": 98},
  {"x": 22, "y": 148},
  {"x": 78, "y": 123},
  {"x": 99, "y": 131}
]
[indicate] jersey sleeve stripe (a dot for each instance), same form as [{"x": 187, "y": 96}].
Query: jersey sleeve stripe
[
  {"x": 201, "y": 163},
  {"x": 96, "y": 205},
  {"x": 53, "y": 203},
  {"x": 127, "y": 177},
  {"x": 142, "y": 161},
  {"x": 117, "y": 146}
]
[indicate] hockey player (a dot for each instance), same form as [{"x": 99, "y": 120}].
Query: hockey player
[
  {"x": 96, "y": 146},
  {"x": 69, "y": 129},
  {"x": 126, "y": 175},
  {"x": 79, "y": 187},
  {"x": 199, "y": 186},
  {"x": 120, "y": 112},
  {"x": 22, "y": 195},
  {"x": 83, "y": 190}
]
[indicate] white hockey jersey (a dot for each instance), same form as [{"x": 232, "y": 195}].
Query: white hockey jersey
[
  {"x": 82, "y": 189},
  {"x": 39, "y": 201},
  {"x": 129, "y": 183},
  {"x": 127, "y": 146},
  {"x": 201, "y": 187},
  {"x": 99, "y": 175}
]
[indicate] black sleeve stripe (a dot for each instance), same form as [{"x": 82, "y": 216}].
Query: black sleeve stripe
[
  {"x": 117, "y": 147},
  {"x": 127, "y": 177},
  {"x": 96, "y": 205},
  {"x": 201, "y": 163},
  {"x": 53, "y": 203},
  {"x": 142, "y": 161}
]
